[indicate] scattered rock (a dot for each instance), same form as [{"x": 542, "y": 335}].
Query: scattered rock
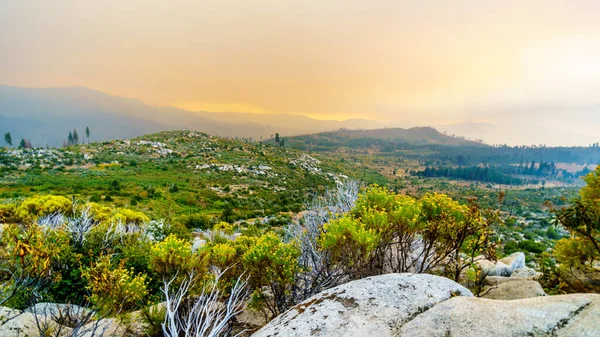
[
  {"x": 103, "y": 327},
  {"x": 57, "y": 310},
  {"x": 374, "y": 306},
  {"x": 526, "y": 272},
  {"x": 514, "y": 261},
  {"x": 512, "y": 288},
  {"x": 27, "y": 324},
  {"x": 249, "y": 321},
  {"x": 566, "y": 315},
  {"x": 493, "y": 269},
  {"x": 503, "y": 267}
]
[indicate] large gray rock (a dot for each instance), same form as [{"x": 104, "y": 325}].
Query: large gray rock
[
  {"x": 526, "y": 272},
  {"x": 566, "y": 315},
  {"x": 512, "y": 288},
  {"x": 103, "y": 328},
  {"x": 250, "y": 320},
  {"x": 514, "y": 261},
  {"x": 503, "y": 267},
  {"x": 586, "y": 323},
  {"x": 27, "y": 324},
  {"x": 409, "y": 305},
  {"x": 58, "y": 310},
  {"x": 374, "y": 306},
  {"x": 490, "y": 268},
  {"x": 8, "y": 313}
]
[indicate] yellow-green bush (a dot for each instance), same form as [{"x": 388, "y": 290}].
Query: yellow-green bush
[
  {"x": 385, "y": 231},
  {"x": 30, "y": 255},
  {"x": 591, "y": 192},
  {"x": 31, "y": 248},
  {"x": 223, "y": 227},
  {"x": 126, "y": 215},
  {"x": 575, "y": 253},
  {"x": 98, "y": 212},
  {"x": 174, "y": 257},
  {"x": 33, "y": 208},
  {"x": 114, "y": 290},
  {"x": 7, "y": 212},
  {"x": 350, "y": 242},
  {"x": 578, "y": 256},
  {"x": 272, "y": 264}
]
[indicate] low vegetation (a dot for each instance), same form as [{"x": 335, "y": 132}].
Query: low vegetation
[{"x": 188, "y": 220}]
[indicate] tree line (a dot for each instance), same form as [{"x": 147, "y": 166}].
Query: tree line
[
  {"x": 506, "y": 174},
  {"x": 72, "y": 139}
]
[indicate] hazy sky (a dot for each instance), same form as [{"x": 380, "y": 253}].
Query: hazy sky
[{"x": 409, "y": 62}]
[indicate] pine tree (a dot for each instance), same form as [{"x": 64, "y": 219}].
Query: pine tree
[
  {"x": 75, "y": 137},
  {"x": 22, "y": 144},
  {"x": 277, "y": 138},
  {"x": 70, "y": 139},
  {"x": 87, "y": 133},
  {"x": 8, "y": 138}
]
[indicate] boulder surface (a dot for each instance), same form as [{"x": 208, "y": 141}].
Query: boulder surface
[
  {"x": 512, "y": 288},
  {"x": 403, "y": 305},
  {"x": 514, "y": 261},
  {"x": 565, "y": 315},
  {"x": 374, "y": 306}
]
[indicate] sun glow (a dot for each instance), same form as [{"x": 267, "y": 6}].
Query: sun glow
[
  {"x": 220, "y": 107},
  {"x": 572, "y": 58}
]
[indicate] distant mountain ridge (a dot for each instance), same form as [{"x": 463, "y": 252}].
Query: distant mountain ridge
[
  {"x": 355, "y": 139},
  {"x": 417, "y": 135},
  {"x": 46, "y": 115}
]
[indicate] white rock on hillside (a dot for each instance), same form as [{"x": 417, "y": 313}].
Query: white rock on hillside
[{"x": 373, "y": 306}]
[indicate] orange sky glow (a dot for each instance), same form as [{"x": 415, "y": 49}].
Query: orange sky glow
[{"x": 407, "y": 62}]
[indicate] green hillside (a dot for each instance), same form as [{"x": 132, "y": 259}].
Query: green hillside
[
  {"x": 378, "y": 138},
  {"x": 174, "y": 174}
]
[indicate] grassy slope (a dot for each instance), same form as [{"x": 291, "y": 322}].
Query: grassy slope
[{"x": 202, "y": 174}]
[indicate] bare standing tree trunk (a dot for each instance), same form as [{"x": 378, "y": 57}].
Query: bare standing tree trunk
[
  {"x": 319, "y": 273},
  {"x": 210, "y": 314}
]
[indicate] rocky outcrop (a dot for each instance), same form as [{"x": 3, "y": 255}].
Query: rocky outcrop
[
  {"x": 512, "y": 288},
  {"x": 103, "y": 327},
  {"x": 503, "y": 267},
  {"x": 27, "y": 324},
  {"x": 374, "y": 306},
  {"x": 526, "y": 272},
  {"x": 7, "y": 313},
  {"x": 424, "y": 305},
  {"x": 566, "y": 315},
  {"x": 54, "y": 319},
  {"x": 248, "y": 321},
  {"x": 514, "y": 261},
  {"x": 58, "y": 310},
  {"x": 490, "y": 268}
]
